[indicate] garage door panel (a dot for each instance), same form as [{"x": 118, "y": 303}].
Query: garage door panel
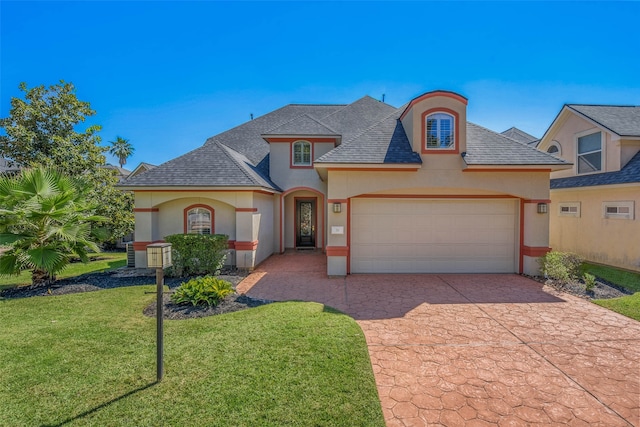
[{"x": 433, "y": 236}]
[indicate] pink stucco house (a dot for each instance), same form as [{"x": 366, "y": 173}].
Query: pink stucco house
[{"x": 378, "y": 189}]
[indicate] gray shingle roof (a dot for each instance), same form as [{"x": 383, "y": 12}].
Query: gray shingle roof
[
  {"x": 630, "y": 173},
  {"x": 520, "y": 135},
  {"x": 622, "y": 120},
  {"x": 371, "y": 133},
  {"x": 384, "y": 142},
  {"x": 206, "y": 166},
  {"x": 354, "y": 118},
  {"x": 302, "y": 125},
  {"x": 486, "y": 147},
  {"x": 213, "y": 164}
]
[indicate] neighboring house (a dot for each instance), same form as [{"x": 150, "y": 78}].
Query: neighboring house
[
  {"x": 594, "y": 203},
  {"x": 6, "y": 166},
  {"x": 141, "y": 168},
  {"x": 121, "y": 173},
  {"x": 520, "y": 136},
  {"x": 379, "y": 189}
]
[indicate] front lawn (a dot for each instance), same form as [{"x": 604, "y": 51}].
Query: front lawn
[
  {"x": 104, "y": 261},
  {"x": 628, "y": 305},
  {"x": 89, "y": 359},
  {"x": 625, "y": 278}
]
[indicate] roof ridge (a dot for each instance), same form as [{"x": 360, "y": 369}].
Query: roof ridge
[
  {"x": 357, "y": 100},
  {"x": 296, "y": 118},
  {"x": 244, "y": 171},
  {"x": 604, "y": 105},
  {"x": 373, "y": 125}
]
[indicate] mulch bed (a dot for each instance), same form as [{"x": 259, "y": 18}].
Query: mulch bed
[
  {"x": 136, "y": 277},
  {"x": 601, "y": 290}
]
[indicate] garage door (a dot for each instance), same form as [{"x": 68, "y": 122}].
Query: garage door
[{"x": 433, "y": 236}]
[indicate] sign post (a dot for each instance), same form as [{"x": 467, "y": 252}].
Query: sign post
[{"x": 159, "y": 257}]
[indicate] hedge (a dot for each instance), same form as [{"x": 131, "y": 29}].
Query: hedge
[{"x": 197, "y": 254}]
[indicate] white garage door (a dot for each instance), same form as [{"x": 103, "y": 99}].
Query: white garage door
[{"x": 433, "y": 236}]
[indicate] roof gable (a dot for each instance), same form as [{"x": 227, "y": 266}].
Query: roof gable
[{"x": 519, "y": 135}]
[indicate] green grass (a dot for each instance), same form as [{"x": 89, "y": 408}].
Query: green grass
[
  {"x": 627, "y": 279},
  {"x": 627, "y": 305},
  {"x": 106, "y": 261},
  {"x": 89, "y": 360}
]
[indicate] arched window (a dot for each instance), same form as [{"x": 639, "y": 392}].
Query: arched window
[
  {"x": 301, "y": 153},
  {"x": 440, "y": 131},
  {"x": 554, "y": 148},
  {"x": 198, "y": 220}
]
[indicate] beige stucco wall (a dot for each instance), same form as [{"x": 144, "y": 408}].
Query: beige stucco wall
[
  {"x": 286, "y": 177},
  {"x": 608, "y": 241},
  {"x": 263, "y": 226},
  {"x": 439, "y": 176},
  {"x": 245, "y": 216}
]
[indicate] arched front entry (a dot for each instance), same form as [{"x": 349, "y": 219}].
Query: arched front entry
[{"x": 303, "y": 214}]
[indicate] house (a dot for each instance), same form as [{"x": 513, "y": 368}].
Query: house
[
  {"x": 141, "y": 168},
  {"x": 8, "y": 167},
  {"x": 379, "y": 189},
  {"x": 594, "y": 201},
  {"x": 520, "y": 136},
  {"x": 120, "y": 172}
]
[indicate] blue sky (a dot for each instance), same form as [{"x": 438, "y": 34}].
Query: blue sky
[{"x": 167, "y": 75}]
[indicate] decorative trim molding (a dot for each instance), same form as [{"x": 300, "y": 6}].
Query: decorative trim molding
[
  {"x": 145, "y": 209},
  {"x": 246, "y": 246},
  {"x": 337, "y": 251},
  {"x": 246, "y": 209},
  {"x": 535, "y": 251}
]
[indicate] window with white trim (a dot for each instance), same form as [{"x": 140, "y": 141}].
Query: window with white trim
[
  {"x": 199, "y": 221},
  {"x": 590, "y": 153},
  {"x": 554, "y": 148},
  {"x": 301, "y": 153},
  {"x": 440, "y": 128},
  {"x": 619, "y": 210},
  {"x": 569, "y": 209}
]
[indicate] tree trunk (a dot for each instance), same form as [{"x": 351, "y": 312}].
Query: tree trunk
[{"x": 41, "y": 277}]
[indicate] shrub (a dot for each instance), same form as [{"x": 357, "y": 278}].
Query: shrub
[
  {"x": 202, "y": 290},
  {"x": 589, "y": 281},
  {"x": 194, "y": 254},
  {"x": 561, "y": 266}
]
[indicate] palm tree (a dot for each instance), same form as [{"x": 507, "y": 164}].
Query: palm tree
[
  {"x": 121, "y": 148},
  {"x": 45, "y": 220}
]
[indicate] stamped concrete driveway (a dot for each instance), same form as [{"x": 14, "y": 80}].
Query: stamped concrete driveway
[{"x": 462, "y": 349}]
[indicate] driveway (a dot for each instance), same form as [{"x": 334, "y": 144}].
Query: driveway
[{"x": 476, "y": 349}]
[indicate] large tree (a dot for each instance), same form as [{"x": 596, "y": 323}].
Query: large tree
[
  {"x": 122, "y": 149},
  {"x": 44, "y": 129},
  {"x": 45, "y": 219}
]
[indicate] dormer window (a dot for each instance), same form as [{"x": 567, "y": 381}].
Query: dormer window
[
  {"x": 301, "y": 155},
  {"x": 440, "y": 131}
]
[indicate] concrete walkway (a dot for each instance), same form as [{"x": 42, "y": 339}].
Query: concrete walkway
[{"x": 463, "y": 349}]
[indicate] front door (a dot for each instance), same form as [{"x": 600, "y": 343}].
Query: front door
[{"x": 305, "y": 223}]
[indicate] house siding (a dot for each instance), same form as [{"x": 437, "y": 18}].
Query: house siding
[{"x": 597, "y": 239}]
